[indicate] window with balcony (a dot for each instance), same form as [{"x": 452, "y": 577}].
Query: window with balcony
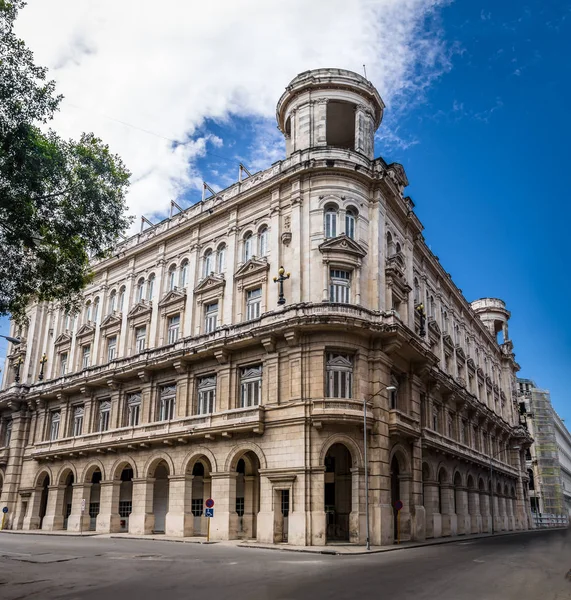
[
  {"x": 339, "y": 286},
  {"x": 63, "y": 363},
  {"x": 251, "y": 386},
  {"x": 330, "y": 222},
  {"x": 206, "y": 396},
  {"x": 77, "y": 424},
  {"x": 339, "y": 375},
  {"x": 140, "y": 338},
  {"x": 210, "y": 317},
  {"x": 85, "y": 356},
  {"x": 104, "y": 415},
  {"x": 253, "y": 304},
  {"x": 167, "y": 399},
  {"x": 111, "y": 348},
  {"x": 173, "y": 329},
  {"x": 133, "y": 402},
  {"x": 54, "y": 425}
]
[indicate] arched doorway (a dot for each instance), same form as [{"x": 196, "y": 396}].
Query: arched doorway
[
  {"x": 338, "y": 492},
  {"x": 247, "y": 495},
  {"x": 201, "y": 487},
  {"x": 95, "y": 498},
  {"x": 395, "y": 495},
  {"x": 125, "y": 497},
  {"x": 44, "y": 499},
  {"x": 67, "y": 498},
  {"x": 161, "y": 496}
]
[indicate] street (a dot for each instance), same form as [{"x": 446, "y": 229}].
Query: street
[{"x": 529, "y": 566}]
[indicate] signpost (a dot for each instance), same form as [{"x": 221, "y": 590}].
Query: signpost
[
  {"x": 208, "y": 513},
  {"x": 398, "y": 507},
  {"x": 81, "y": 518},
  {"x": 4, "y": 513}
]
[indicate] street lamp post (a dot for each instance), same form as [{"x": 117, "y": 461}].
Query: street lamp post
[
  {"x": 492, "y": 456},
  {"x": 11, "y": 339},
  {"x": 390, "y": 388},
  {"x": 282, "y": 276}
]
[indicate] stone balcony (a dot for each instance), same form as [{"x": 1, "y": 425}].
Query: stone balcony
[
  {"x": 340, "y": 411},
  {"x": 178, "y": 431},
  {"x": 403, "y": 425},
  {"x": 440, "y": 443}
]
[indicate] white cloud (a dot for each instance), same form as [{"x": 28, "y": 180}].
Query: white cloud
[{"x": 131, "y": 67}]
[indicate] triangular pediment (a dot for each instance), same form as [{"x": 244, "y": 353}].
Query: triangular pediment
[
  {"x": 85, "y": 331},
  {"x": 471, "y": 364},
  {"x": 396, "y": 260},
  {"x": 434, "y": 327},
  {"x": 250, "y": 267},
  {"x": 211, "y": 282},
  {"x": 63, "y": 338},
  {"x": 109, "y": 321},
  {"x": 139, "y": 309},
  {"x": 397, "y": 170},
  {"x": 342, "y": 243},
  {"x": 172, "y": 297}
]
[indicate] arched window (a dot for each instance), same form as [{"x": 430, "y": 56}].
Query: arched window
[
  {"x": 397, "y": 248},
  {"x": 150, "y": 286},
  {"x": 431, "y": 310},
  {"x": 416, "y": 291},
  {"x": 330, "y": 224},
  {"x": 221, "y": 258},
  {"x": 121, "y": 302},
  {"x": 88, "y": 310},
  {"x": 95, "y": 309},
  {"x": 183, "y": 276},
  {"x": 112, "y": 301},
  {"x": 140, "y": 289},
  {"x": 445, "y": 321},
  {"x": 172, "y": 278},
  {"x": 263, "y": 242},
  {"x": 66, "y": 321},
  {"x": 390, "y": 244},
  {"x": 351, "y": 223},
  {"x": 207, "y": 266},
  {"x": 248, "y": 246}
]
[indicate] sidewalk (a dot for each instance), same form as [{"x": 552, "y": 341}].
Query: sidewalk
[{"x": 332, "y": 549}]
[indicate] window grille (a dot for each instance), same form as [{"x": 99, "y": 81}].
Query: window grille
[
  {"x": 340, "y": 286},
  {"x": 339, "y": 375},
  {"x": 251, "y": 386},
  {"x": 206, "y": 388},
  {"x": 93, "y": 509},
  {"x": 240, "y": 506},
  {"x": 125, "y": 508},
  {"x": 197, "y": 505}
]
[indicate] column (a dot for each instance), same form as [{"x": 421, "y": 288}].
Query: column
[
  {"x": 318, "y": 527},
  {"x": 474, "y": 511},
  {"x": 78, "y": 520},
  {"x": 108, "y": 520},
  {"x": 485, "y": 512},
  {"x": 54, "y": 512},
  {"x": 357, "y": 517},
  {"x": 433, "y": 519},
  {"x": 446, "y": 491},
  {"x": 142, "y": 519},
  {"x": 179, "y": 519},
  {"x": 405, "y": 521},
  {"x": 418, "y": 516},
  {"x": 224, "y": 525},
  {"x": 32, "y": 519},
  {"x": 250, "y": 506},
  {"x": 462, "y": 514}
]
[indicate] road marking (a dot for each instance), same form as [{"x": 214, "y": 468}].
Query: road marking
[
  {"x": 479, "y": 561},
  {"x": 465, "y": 543}
]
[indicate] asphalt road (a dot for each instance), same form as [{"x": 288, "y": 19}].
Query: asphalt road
[{"x": 530, "y": 566}]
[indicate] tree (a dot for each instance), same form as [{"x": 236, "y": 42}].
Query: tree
[{"x": 61, "y": 201}]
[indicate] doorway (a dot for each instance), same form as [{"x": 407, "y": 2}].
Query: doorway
[{"x": 338, "y": 491}]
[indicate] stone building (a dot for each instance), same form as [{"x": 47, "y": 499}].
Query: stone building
[
  {"x": 548, "y": 460},
  {"x": 187, "y": 375}
]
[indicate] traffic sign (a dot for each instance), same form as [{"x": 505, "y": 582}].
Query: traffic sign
[
  {"x": 209, "y": 503},
  {"x": 5, "y": 510},
  {"x": 399, "y": 505},
  {"x": 209, "y": 513}
]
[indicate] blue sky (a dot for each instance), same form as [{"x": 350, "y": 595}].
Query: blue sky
[{"x": 477, "y": 100}]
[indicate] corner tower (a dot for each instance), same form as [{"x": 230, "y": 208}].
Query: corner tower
[
  {"x": 495, "y": 316},
  {"x": 330, "y": 108}
]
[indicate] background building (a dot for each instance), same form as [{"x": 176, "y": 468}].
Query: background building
[
  {"x": 189, "y": 374},
  {"x": 548, "y": 460}
]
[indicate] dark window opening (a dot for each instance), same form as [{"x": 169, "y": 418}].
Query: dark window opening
[{"x": 340, "y": 127}]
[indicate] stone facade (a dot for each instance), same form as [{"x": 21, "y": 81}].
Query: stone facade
[{"x": 185, "y": 376}]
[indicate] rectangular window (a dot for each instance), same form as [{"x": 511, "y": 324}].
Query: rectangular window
[
  {"x": 210, "y": 317},
  {"x": 111, "y": 348},
  {"x": 240, "y": 506},
  {"x": 104, "y": 415},
  {"x": 339, "y": 286},
  {"x": 167, "y": 398},
  {"x": 125, "y": 508},
  {"x": 251, "y": 386},
  {"x": 77, "y": 421},
  {"x": 63, "y": 364},
  {"x": 85, "y": 356},
  {"x": 54, "y": 425},
  {"x": 253, "y": 304},
  {"x": 140, "y": 338},
  {"x": 173, "y": 329},
  {"x": 339, "y": 370},
  {"x": 206, "y": 388},
  {"x": 435, "y": 419},
  {"x": 133, "y": 409},
  {"x": 197, "y": 507}
]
